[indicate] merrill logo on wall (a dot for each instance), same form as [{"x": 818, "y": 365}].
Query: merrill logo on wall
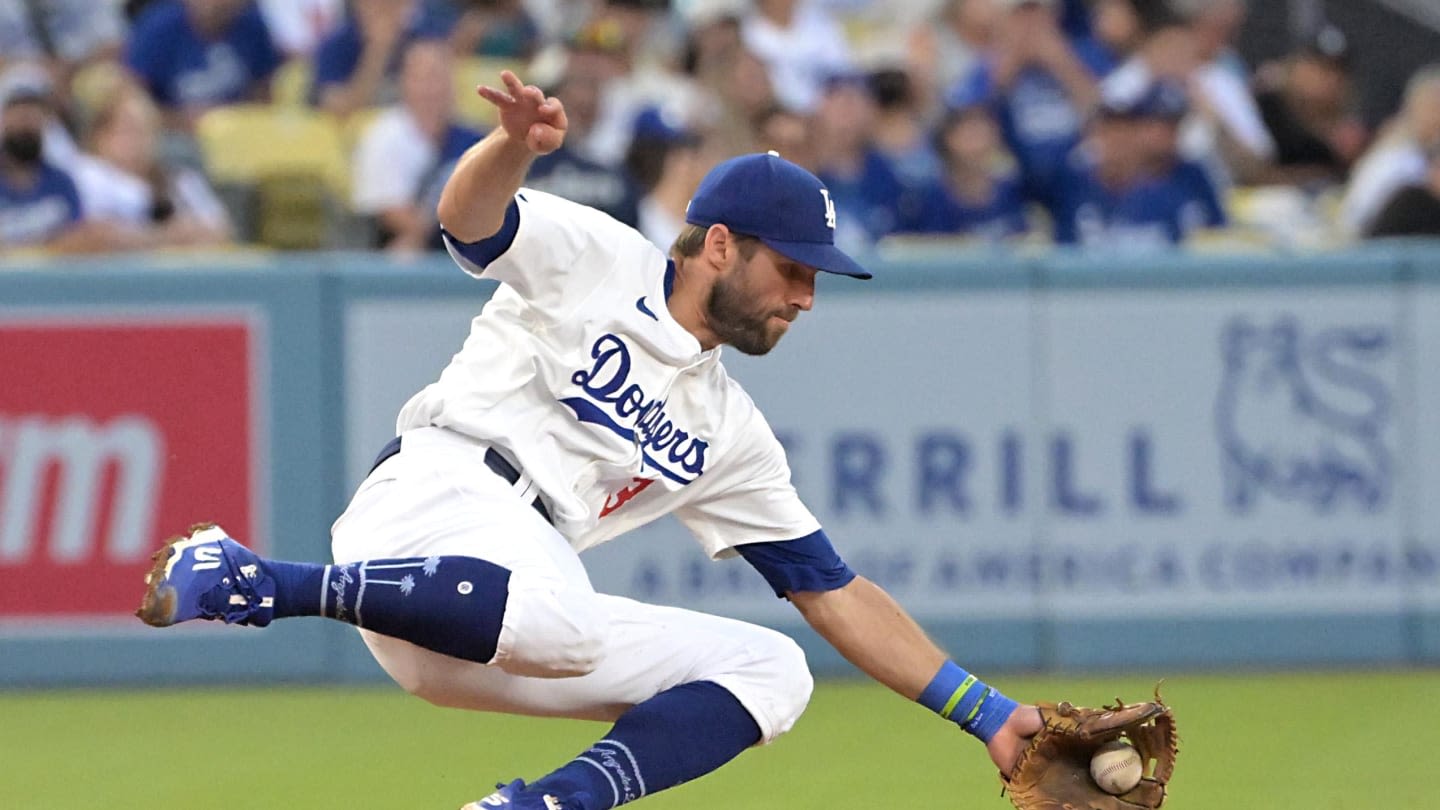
[
  {"x": 113, "y": 436},
  {"x": 1300, "y": 415}
]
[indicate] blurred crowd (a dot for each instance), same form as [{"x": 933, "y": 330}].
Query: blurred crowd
[{"x": 1117, "y": 124}]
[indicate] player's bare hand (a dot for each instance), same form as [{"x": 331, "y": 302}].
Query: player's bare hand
[
  {"x": 1013, "y": 737},
  {"x": 527, "y": 115}
]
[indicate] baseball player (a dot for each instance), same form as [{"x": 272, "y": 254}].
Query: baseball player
[{"x": 590, "y": 399}]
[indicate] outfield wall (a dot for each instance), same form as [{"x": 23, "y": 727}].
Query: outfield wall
[{"x": 1055, "y": 462}]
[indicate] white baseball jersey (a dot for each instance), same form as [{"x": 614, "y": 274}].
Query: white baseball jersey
[{"x": 578, "y": 371}]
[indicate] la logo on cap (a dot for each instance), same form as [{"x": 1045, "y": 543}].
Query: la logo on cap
[{"x": 829, "y": 208}]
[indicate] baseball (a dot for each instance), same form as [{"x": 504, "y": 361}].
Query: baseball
[{"x": 1116, "y": 767}]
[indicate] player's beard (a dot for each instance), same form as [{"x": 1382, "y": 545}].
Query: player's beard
[{"x": 733, "y": 316}]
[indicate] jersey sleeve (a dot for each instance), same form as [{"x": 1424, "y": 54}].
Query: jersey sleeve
[
  {"x": 748, "y": 495},
  {"x": 808, "y": 564},
  {"x": 554, "y": 252}
]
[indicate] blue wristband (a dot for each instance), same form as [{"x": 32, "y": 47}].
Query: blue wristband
[
  {"x": 990, "y": 715},
  {"x": 967, "y": 701}
]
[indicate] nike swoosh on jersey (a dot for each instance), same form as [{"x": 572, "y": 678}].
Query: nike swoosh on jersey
[{"x": 640, "y": 305}]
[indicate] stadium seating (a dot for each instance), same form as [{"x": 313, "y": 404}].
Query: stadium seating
[{"x": 282, "y": 170}]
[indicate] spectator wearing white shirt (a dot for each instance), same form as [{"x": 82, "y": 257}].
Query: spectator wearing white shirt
[
  {"x": 801, "y": 45},
  {"x": 1413, "y": 210},
  {"x": 1397, "y": 159},
  {"x": 123, "y": 182},
  {"x": 1228, "y": 123},
  {"x": 407, "y": 151}
]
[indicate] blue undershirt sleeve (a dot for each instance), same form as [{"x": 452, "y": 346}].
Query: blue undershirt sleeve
[
  {"x": 808, "y": 563},
  {"x": 487, "y": 250}
]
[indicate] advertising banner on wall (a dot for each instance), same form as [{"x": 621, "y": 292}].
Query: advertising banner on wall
[
  {"x": 1081, "y": 453},
  {"x": 1423, "y": 493},
  {"x": 117, "y": 430},
  {"x": 1227, "y": 452}
]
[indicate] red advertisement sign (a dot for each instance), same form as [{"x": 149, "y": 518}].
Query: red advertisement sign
[{"x": 114, "y": 436}]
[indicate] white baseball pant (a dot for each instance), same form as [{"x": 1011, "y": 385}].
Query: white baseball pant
[{"x": 564, "y": 650}]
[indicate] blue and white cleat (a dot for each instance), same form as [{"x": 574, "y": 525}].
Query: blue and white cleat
[
  {"x": 207, "y": 575},
  {"x": 509, "y": 796}
]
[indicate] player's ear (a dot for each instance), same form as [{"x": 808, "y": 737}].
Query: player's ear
[{"x": 720, "y": 245}]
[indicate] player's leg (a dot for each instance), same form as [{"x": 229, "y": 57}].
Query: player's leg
[
  {"x": 687, "y": 691},
  {"x": 435, "y": 548}
]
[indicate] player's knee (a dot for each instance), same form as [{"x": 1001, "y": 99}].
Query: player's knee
[
  {"x": 775, "y": 680},
  {"x": 552, "y": 634},
  {"x": 794, "y": 682}
]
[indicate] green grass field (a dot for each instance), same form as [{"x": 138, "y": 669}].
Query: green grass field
[{"x": 1251, "y": 742}]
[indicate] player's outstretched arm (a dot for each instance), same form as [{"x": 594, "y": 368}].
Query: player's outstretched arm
[
  {"x": 874, "y": 633},
  {"x": 472, "y": 205}
]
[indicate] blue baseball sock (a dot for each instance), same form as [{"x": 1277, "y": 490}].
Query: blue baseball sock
[
  {"x": 962, "y": 698},
  {"x": 680, "y": 734},
  {"x": 451, "y": 605}
]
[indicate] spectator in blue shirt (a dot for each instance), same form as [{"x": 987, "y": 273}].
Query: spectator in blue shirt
[
  {"x": 1077, "y": 18},
  {"x": 1043, "y": 86},
  {"x": 902, "y": 133},
  {"x": 980, "y": 193},
  {"x": 870, "y": 200},
  {"x": 38, "y": 202},
  {"x": 358, "y": 64},
  {"x": 1117, "y": 33},
  {"x": 1127, "y": 188},
  {"x": 569, "y": 171},
  {"x": 193, "y": 55}
]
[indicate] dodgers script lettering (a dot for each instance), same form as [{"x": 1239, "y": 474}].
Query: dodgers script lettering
[{"x": 676, "y": 453}]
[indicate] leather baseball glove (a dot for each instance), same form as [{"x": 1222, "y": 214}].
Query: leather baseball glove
[{"x": 1054, "y": 771}]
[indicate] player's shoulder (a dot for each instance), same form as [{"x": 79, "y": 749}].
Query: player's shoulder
[{"x": 561, "y": 212}]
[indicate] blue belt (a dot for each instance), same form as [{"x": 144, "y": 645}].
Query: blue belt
[{"x": 496, "y": 462}]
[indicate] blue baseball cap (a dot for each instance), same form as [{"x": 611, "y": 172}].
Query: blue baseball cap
[
  {"x": 777, "y": 202},
  {"x": 655, "y": 124},
  {"x": 1164, "y": 99},
  {"x": 1156, "y": 99}
]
